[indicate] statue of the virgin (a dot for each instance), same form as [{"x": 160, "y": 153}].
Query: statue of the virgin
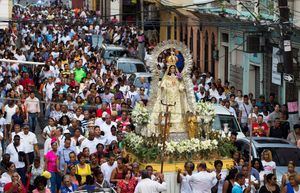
[{"x": 171, "y": 90}]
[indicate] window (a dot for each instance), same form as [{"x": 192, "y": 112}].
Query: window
[
  {"x": 169, "y": 27},
  {"x": 222, "y": 120},
  {"x": 128, "y": 68},
  {"x": 186, "y": 35},
  {"x": 225, "y": 37},
  {"x": 181, "y": 33},
  {"x": 282, "y": 156},
  {"x": 191, "y": 40},
  {"x": 175, "y": 28},
  {"x": 206, "y": 60},
  {"x": 198, "y": 47},
  {"x": 114, "y": 53},
  {"x": 212, "y": 53}
]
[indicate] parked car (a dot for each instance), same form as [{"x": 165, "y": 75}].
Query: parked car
[
  {"x": 112, "y": 52},
  {"x": 135, "y": 78},
  {"x": 224, "y": 118},
  {"x": 282, "y": 152},
  {"x": 130, "y": 65}
]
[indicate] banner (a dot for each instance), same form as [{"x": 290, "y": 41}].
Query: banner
[{"x": 276, "y": 77}]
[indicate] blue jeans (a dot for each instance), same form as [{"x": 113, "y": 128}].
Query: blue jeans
[
  {"x": 55, "y": 181},
  {"x": 32, "y": 119}
]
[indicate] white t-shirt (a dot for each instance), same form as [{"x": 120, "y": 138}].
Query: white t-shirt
[
  {"x": 2, "y": 123},
  {"x": 107, "y": 128},
  {"x": 253, "y": 180},
  {"x": 103, "y": 140},
  {"x": 221, "y": 181},
  {"x": 90, "y": 144},
  {"x": 48, "y": 130},
  {"x": 14, "y": 154},
  {"x": 5, "y": 178},
  {"x": 202, "y": 182},
  {"x": 107, "y": 170},
  {"x": 99, "y": 121},
  {"x": 110, "y": 138},
  {"x": 47, "y": 146},
  {"x": 268, "y": 166},
  {"x": 185, "y": 185},
  {"x": 28, "y": 141},
  {"x": 48, "y": 89},
  {"x": 10, "y": 112},
  {"x": 1, "y": 135},
  {"x": 246, "y": 110}
]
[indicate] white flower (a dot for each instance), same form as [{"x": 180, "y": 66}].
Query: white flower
[
  {"x": 140, "y": 114},
  {"x": 206, "y": 110}
]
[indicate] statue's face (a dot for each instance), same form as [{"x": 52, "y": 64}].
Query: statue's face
[{"x": 172, "y": 69}]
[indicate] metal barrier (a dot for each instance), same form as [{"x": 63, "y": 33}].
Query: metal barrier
[{"x": 98, "y": 190}]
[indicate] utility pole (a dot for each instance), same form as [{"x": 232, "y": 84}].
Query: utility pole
[
  {"x": 142, "y": 15},
  {"x": 286, "y": 36}
]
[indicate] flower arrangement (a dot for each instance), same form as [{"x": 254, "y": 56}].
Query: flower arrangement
[
  {"x": 148, "y": 149},
  {"x": 207, "y": 111},
  {"x": 140, "y": 114},
  {"x": 179, "y": 76}
]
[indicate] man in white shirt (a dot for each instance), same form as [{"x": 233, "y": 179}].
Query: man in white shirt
[
  {"x": 132, "y": 95},
  {"x": 229, "y": 108},
  {"x": 245, "y": 109},
  {"x": 255, "y": 185},
  {"x": 32, "y": 105},
  {"x": 100, "y": 120},
  {"x": 29, "y": 141},
  {"x": 106, "y": 126},
  {"x": 99, "y": 136},
  {"x": 113, "y": 136},
  {"x": 203, "y": 181},
  {"x": 14, "y": 150},
  {"x": 91, "y": 142},
  {"x": 146, "y": 185},
  {"x": 108, "y": 167},
  {"x": 48, "y": 89},
  {"x": 213, "y": 91}
]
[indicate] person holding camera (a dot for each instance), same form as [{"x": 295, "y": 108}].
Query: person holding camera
[
  {"x": 16, "y": 150},
  {"x": 15, "y": 186}
]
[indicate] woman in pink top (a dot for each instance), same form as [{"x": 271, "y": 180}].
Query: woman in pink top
[{"x": 51, "y": 165}]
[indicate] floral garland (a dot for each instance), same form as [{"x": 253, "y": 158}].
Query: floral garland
[
  {"x": 206, "y": 111},
  {"x": 140, "y": 114},
  {"x": 217, "y": 145}
]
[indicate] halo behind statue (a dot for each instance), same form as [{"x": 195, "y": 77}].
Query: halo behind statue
[{"x": 186, "y": 72}]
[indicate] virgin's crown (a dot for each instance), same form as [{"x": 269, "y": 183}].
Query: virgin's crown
[{"x": 172, "y": 59}]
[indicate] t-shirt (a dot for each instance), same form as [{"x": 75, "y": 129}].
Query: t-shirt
[
  {"x": 2, "y": 123},
  {"x": 10, "y": 111},
  {"x": 107, "y": 170},
  {"x": 260, "y": 130},
  {"x": 11, "y": 150},
  {"x": 185, "y": 186},
  {"x": 268, "y": 166},
  {"x": 89, "y": 144},
  {"x": 246, "y": 110},
  {"x": 79, "y": 74},
  {"x": 51, "y": 164},
  {"x": 28, "y": 141}
]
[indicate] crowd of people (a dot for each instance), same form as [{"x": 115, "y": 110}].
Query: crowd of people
[
  {"x": 258, "y": 176},
  {"x": 86, "y": 103},
  {"x": 264, "y": 117}
]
